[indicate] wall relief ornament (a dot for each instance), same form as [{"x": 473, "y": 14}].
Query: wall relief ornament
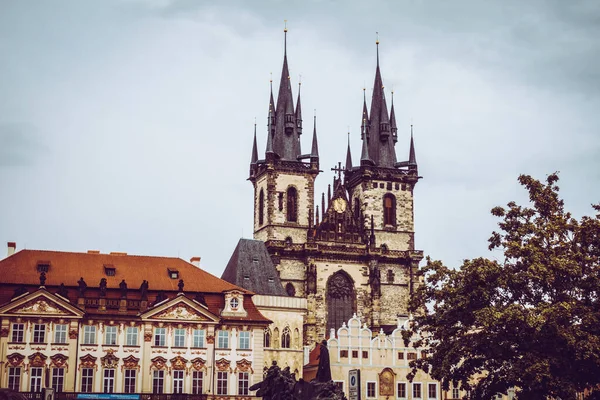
[
  {"x": 244, "y": 366},
  {"x": 147, "y": 336},
  {"x": 182, "y": 312},
  {"x": 4, "y": 332},
  {"x": 223, "y": 365},
  {"x": 88, "y": 361},
  {"x": 178, "y": 363},
  {"x": 109, "y": 360},
  {"x": 386, "y": 382},
  {"x": 15, "y": 359},
  {"x": 39, "y": 306},
  {"x": 210, "y": 339},
  {"x": 73, "y": 334},
  {"x": 59, "y": 361},
  {"x": 131, "y": 362},
  {"x": 198, "y": 364},
  {"x": 37, "y": 359},
  {"x": 158, "y": 363}
]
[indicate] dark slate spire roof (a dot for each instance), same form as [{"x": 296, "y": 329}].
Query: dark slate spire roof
[
  {"x": 251, "y": 268},
  {"x": 393, "y": 126},
  {"x": 348, "y": 156},
  {"x": 269, "y": 149},
  {"x": 364, "y": 156},
  {"x": 254, "y": 158},
  {"x": 381, "y": 146},
  {"x": 286, "y": 141},
  {"x": 299, "y": 111},
  {"x": 364, "y": 123},
  {"x": 315, "y": 146},
  {"x": 412, "y": 158}
]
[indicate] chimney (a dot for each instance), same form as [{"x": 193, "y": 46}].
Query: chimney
[
  {"x": 195, "y": 261},
  {"x": 12, "y": 247}
]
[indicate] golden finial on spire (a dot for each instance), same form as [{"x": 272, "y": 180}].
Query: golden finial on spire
[
  {"x": 299, "y": 79},
  {"x": 285, "y": 25},
  {"x": 271, "y": 78},
  {"x": 377, "y": 40}
]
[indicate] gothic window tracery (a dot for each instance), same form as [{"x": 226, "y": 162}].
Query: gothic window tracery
[
  {"x": 389, "y": 209},
  {"x": 292, "y": 204},
  {"x": 340, "y": 300},
  {"x": 267, "y": 338},
  {"x": 261, "y": 207},
  {"x": 290, "y": 289},
  {"x": 285, "y": 338}
]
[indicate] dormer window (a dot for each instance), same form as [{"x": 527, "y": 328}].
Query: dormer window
[
  {"x": 173, "y": 273},
  {"x": 43, "y": 266},
  {"x": 234, "y": 303},
  {"x": 110, "y": 270}
]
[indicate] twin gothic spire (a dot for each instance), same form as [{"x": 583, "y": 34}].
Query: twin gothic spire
[{"x": 379, "y": 132}]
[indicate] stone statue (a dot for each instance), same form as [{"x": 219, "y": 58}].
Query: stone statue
[
  {"x": 102, "y": 287},
  {"x": 144, "y": 290},
  {"x": 62, "y": 291},
  {"x": 82, "y": 287},
  {"x": 311, "y": 279},
  {"x": 160, "y": 297},
  {"x": 123, "y": 287},
  {"x": 42, "y": 278},
  {"x": 375, "y": 280},
  {"x": 180, "y": 285},
  {"x": 324, "y": 370}
]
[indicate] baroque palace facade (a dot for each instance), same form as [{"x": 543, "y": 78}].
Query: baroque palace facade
[{"x": 116, "y": 323}]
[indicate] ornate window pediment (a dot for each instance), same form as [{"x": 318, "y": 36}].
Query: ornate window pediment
[
  {"x": 109, "y": 360},
  {"x": 178, "y": 363},
  {"x": 243, "y": 365},
  {"x": 199, "y": 364},
  {"x": 15, "y": 359},
  {"x": 223, "y": 365},
  {"x": 88, "y": 361},
  {"x": 37, "y": 359},
  {"x": 131, "y": 362},
  {"x": 59, "y": 361},
  {"x": 158, "y": 363}
]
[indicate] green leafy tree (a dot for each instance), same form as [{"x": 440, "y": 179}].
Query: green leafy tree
[{"x": 530, "y": 321}]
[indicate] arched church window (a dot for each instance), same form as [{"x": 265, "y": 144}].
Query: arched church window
[
  {"x": 261, "y": 207},
  {"x": 285, "y": 338},
  {"x": 267, "y": 338},
  {"x": 340, "y": 300},
  {"x": 292, "y": 204},
  {"x": 290, "y": 289},
  {"x": 389, "y": 209},
  {"x": 296, "y": 338},
  {"x": 275, "y": 338}
]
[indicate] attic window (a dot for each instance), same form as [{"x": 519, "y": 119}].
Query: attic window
[
  {"x": 246, "y": 277},
  {"x": 271, "y": 280},
  {"x": 173, "y": 273},
  {"x": 255, "y": 259},
  {"x": 110, "y": 270},
  {"x": 43, "y": 266}
]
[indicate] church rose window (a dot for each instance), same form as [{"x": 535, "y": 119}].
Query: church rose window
[
  {"x": 340, "y": 299},
  {"x": 292, "y": 204}
]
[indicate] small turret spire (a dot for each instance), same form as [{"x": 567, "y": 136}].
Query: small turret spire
[
  {"x": 393, "y": 126},
  {"x": 322, "y": 206},
  {"x": 328, "y": 195},
  {"x": 364, "y": 157},
  {"x": 412, "y": 158},
  {"x": 348, "y": 155},
  {"x": 299, "y": 110},
  {"x": 269, "y": 136},
  {"x": 314, "y": 153},
  {"x": 365, "y": 115},
  {"x": 254, "y": 158}
]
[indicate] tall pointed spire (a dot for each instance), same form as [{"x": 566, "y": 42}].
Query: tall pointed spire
[
  {"x": 348, "y": 156},
  {"x": 412, "y": 158},
  {"x": 364, "y": 156},
  {"x": 269, "y": 137},
  {"x": 365, "y": 116},
  {"x": 254, "y": 158},
  {"x": 393, "y": 126},
  {"x": 314, "y": 153},
  {"x": 299, "y": 112}
]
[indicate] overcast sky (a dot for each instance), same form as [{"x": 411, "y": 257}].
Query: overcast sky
[{"x": 127, "y": 125}]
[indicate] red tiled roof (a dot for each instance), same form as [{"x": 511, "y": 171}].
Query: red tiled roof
[{"x": 67, "y": 268}]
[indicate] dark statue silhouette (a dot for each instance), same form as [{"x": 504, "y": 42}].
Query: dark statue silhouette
[{"x": 282, "y": 385}]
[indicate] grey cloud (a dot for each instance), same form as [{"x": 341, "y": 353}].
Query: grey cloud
[{"x": 20, "y": 145}]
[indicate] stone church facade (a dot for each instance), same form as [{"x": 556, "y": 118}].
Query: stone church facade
[{"x": 353, "y": 252}]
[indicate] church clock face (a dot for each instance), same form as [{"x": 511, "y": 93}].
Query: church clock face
[{"x": 339, "y": 205}]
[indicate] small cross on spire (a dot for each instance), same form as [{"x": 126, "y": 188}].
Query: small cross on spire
[{"x": 338, "y": 169}]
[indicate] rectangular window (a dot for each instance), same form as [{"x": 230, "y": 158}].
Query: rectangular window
[
  {"x": 178, "y": 381},
  {"x": 354, "y": 353},
  {"x": 400, "y": 355},
  {"x": 198, "y": 337},
  {"x": 411, "y": 356},
  {"x": 244, "y": 340},
  {"x": 371, "y": 389},
  {"x": 160, "y": 337},
  {"x": 89, "y": 334},
  {"x": 179, "y": 337},
  {"x": 36, "y": 379},
  {"x": 401, "y": 394},
  {"x": 18, "y": 331},
  {"x": 456, "y": 393},
  {"x": 108, "y": 385},
  {"x": 58, "y": 379},
  {"x": 87, "y": 379},
  {"x": 416, "y": 390},
  {"x": 243, "y": 383},
  {"x": 60, "y": 333},
  {"x": 39, "y": 333},
  {"x": 197, "y": 381},
  {"x": 344, "y": 353},
  {"x": 221, "y": 383},
  {"x": 110, "y": 337},
  {"x": 365, "y": 354},
  {"x": 158, "y": 381},
  {"x": 131, "y": 336},
  {"x": 432, "y": 391},
  {"x": 222, "y": 339},
  {"x": 130, "y": 376},
  {"x": 14, "y": 379}
]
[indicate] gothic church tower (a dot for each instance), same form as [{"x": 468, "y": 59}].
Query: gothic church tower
[{"x": 354, "y": 252}]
